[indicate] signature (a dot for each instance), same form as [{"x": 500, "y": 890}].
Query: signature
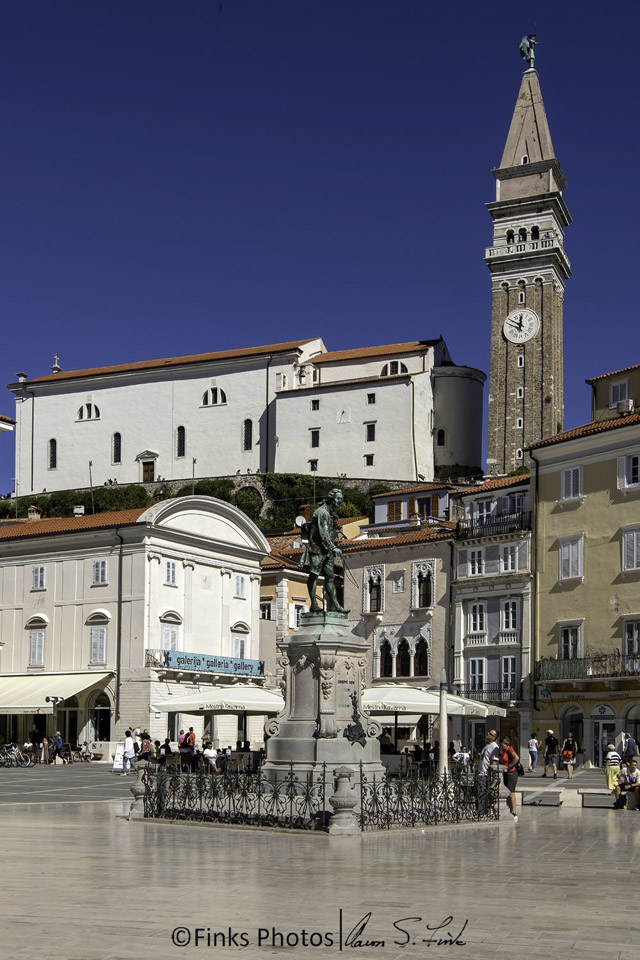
[{"x": 436, "y": 935}]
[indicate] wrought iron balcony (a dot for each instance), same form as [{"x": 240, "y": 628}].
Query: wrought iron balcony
[
  {"x": 494, "y": 526},
  {"x": 492, "y": 692},
  {"x": 588, "y": 668}
]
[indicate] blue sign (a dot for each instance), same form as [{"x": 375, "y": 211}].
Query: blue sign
[{"x": 178, "y": 660}]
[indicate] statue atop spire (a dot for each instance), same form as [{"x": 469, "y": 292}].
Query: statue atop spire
[{"x": 528, "y": 46}]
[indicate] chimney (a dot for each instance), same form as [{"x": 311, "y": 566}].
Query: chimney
[
  {"x": 78, "y": 510},
  {"x": 22, "y": 377},
  {"x": 34, "y": 513}
]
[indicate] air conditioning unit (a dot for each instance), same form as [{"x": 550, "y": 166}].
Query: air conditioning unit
[{"x": 624, "y": 406}]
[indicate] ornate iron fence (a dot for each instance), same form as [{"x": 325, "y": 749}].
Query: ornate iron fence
[
  {"x": 295, "y": 801},
  {"x": 291, "y": 800},
  {"x": 415, "y": 801}
]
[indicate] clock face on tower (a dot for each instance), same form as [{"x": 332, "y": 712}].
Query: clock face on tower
[{"x": 521, "y": 325}]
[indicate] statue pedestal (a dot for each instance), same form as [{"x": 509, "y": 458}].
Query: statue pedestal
[{"x": 323, "y": 720}]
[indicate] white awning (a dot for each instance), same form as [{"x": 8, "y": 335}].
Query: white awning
[
  {"x": 402, "y": 698},
  {"x": 238, "y": 698},
  {"x": 27, "y": 694}
]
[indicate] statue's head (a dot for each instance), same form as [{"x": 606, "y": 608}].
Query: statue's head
[{"x": 335, "y": 496}]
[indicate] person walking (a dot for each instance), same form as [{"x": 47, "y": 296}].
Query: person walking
[
  {"x": 508, "y": 759},
  {"x": 612, "y": 763},
  {"x": 629, "y": 749},
  {"x": 569, "y": 751},
  {"x": 534, "y": 744},
  {"x": 484, "y": 761},
  {"x": 56, "y": 751},
  {"x": 551, "y": 748},
  {"x": 129, "y": 755}
]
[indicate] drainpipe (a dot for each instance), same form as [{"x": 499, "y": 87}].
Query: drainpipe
[
  {"x": 119, "y": 628},
  {"x": 265, "y": 468},
  {"x": 534, "y": 567},
  {"x": 413, "y": 428}
]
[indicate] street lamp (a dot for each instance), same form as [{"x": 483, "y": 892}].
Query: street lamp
[
  {"x": 193, "y": 476},
  {"x": 54, "y": 701}
]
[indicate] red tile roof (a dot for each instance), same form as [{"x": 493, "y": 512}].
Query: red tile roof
[
  {"x": 381, "y": 543},
  {"x": 361, "y": 353},
  {"x": 118, "y": 518},
  {"x": 614, "y": 373},
  {"x": 497, "y": 483},
  {"x": 588, "y": 429},
  {"x": 276, "y": 561},
  {"x": 6, "y": 419},
  {"x": 422, "y": 488},
  {"x": 174, "y": 361}
]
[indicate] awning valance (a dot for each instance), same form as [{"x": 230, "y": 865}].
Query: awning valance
[
  {"x": 27, "y": 694},
  {"x": 237, "y": 698}
]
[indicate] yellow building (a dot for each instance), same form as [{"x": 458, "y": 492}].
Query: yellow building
[{"x": 586, "y": 496}]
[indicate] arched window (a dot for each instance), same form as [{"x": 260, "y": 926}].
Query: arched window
[
  {"x": 425, "y": 589},
  {"x": 240, "y": 640},
  {"x": 116, "y": 449},
  {"x": 441, "y": 438},
  {"x": 247, "y": 435},
  {"x": 421, "y": 664},
  {"x": 386, "y": 668},
  {"x": 170, "y": 625},
  {"x": 510, "y": 236},
  {"x": 181, "y": 442},
  {"x": 393, "y": 369},
  {"x": 403, "y": 660},
  {"x": 36, "y": 627},
  {"x": 88, "y": 411},
  {"x": 98, "y": 623},
  {"x": 535, "y": 233},
  {"x": 52, "y": 454},
  {"x": 213, "y": 397},
  {"x": 522, "y": 233}
]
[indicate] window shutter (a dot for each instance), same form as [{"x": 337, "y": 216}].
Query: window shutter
[
  {"x": 273, "y": 611},
  {"x": 98, "y": 644},
  {"x": 566, "y": 484},
  {"x": 622, "y": 473},
  {"x": 169, "y": 637},
  {"x": 36, "y": 652},
  {"x": 292, "y": 616},
  {"x": 631, "y": 545},
  {"x": 238, "y": 647},
  {"x": 435, "y": 506}
]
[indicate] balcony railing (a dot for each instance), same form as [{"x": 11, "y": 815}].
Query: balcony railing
[
  {"x": 586, "y": 668},
  {"x": 494, "y": 526},
  {"x": 492, "y": 692}
]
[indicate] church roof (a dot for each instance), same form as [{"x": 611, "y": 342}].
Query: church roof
[
  {"x": 175, "y": 361},
  {"x": 529, "y": 131},
  {"x": 361, "y": 353}
]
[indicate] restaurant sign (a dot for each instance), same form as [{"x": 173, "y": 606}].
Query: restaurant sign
[{"x": 201, "y": 662}]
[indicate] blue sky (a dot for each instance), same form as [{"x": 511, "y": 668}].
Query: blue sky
[{"x": 186, "y": 177}]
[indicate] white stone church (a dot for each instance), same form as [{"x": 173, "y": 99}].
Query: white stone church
[{"x": 401, "y": 411}]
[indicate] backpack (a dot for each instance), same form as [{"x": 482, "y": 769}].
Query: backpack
[
  {"x": 136, "y": 746},
  {"x": 621, "y": 802}
]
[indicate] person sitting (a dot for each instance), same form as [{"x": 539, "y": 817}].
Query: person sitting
[
  {"x": 462, "y": 757},
  {"x": 628, "y": 782},
  {"x": 211, "y": 755}
]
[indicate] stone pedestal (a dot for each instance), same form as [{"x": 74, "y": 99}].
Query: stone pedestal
[{"x": 323, "y": 721}]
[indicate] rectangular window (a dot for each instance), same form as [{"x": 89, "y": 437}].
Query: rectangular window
[
  {"x": 632, "y": 638},
  {"x": 368, "y": 460},
  {"x": 36, "y": 648},
  {"x": 375, "y": 596},
  {"x": 371, "y": 432},
  {"x": 313, "y": 466},
  {"x": 476, "y": 673},
  {"x": 628, "y": 472},
  {"x": 571, "y": 483},
  {"x": 424, "y": 506},
  {"x": 618, "y": 391},
  {"x": 509, "y": 558},
  {"x": 510, "y": 615},
  {"x": 477, "y": 618},
  {"x": 570, "y": 643},
  {"x": 393, "y": 368},
  {"x": 484, "y": 509},
  {"x": 631, "y": 550},
  {"x": 476, "y": 563},
  {"x": 238, "y": 646},
  {"x": 99, "y": 572},
  {"x": 298, "y": 610},
  {"x": 508, "y": 673},
  {"x": 571, "y": 558},
  {"x": 315, "y": 404},
  {"x": 238, "y": 589},
  {"x": 38, "y": 578},
  {"x": 98, "y": 644},
  {"x": 267, "y": 611},
  {"x": 315, "y": 438},
  {"x": 171, "y": 573},
  {"x": 371, "y": 398},
  {"x": 394, "y": 510},
  {"x": 169, "y": 637}
]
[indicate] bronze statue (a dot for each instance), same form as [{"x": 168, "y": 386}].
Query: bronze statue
[
  {"x": 320, "y": 551},
  {"x": 528, "y": 46}
]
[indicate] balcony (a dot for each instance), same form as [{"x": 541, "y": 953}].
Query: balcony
[
  {"x": 589, "y": 668},
  {"x": 493, "y": 526},
  {"x": 492, "y": 692}
]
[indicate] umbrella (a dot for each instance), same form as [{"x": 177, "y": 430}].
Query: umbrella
[
  {"x": 239, "y": 698},
  {"x": 403, "y": 698}
]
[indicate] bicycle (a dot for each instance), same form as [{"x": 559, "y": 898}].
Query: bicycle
[{"x": 82, "y": 753}]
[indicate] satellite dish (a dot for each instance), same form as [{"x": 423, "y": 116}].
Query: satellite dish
[{"x": 300, "y": 521}]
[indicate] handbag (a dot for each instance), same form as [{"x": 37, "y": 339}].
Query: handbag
[{"x": 519, "y": 769}]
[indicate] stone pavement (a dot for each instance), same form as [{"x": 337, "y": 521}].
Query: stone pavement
[{"x": 83, "y": 883}]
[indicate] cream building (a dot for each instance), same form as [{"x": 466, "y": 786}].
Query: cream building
[
  {"x": 587, "y": 561},
  {"x": 113, "y": 612},
  {"x": 400, "y": 411}
]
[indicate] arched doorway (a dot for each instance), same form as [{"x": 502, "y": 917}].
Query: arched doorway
[
  {"x": 386, "y": 661},
  {"x": 403, "y": 662},
  {"x": 99, "y": 726},
  {"x": 68, "y": 721},
  {"x": 632, "y": 722},
  {"x": 573, "y": 722}
]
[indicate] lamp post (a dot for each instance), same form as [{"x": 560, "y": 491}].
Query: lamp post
[
  {"x": 444, "y": 728},
  {"x": 54, "y": 701},
  {"x": 93, "y": 509},
  {"x": 193, "y": 476}
]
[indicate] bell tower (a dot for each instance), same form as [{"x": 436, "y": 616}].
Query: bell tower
[{"x": 528, "y": 268}]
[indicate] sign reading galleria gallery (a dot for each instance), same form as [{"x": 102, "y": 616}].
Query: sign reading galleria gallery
[{"x": 179, "y": 660}]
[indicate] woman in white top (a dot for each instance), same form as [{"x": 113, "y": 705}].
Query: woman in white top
[
  {"x": 534, "y": 743},
  {"x": 612, "y": 763}
]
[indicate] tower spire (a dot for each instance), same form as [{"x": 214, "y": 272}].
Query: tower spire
[{"x": 529, "y": 138}]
